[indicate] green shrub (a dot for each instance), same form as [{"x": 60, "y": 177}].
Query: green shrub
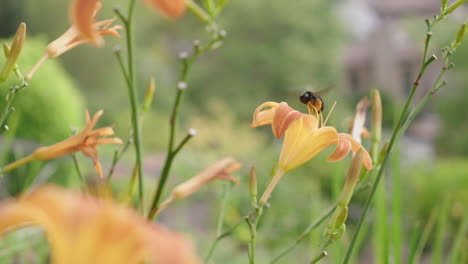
[{"x": 51, "y": 105}]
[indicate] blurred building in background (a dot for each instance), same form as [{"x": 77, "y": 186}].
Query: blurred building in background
[{"x": 384, "y": 55}]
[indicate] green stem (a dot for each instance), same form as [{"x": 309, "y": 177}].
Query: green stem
[
  {"x": 133, "y": 97},
  {"x": 171, "y": 152},
  {"x": 304, "y": 234},
  {"x": 396, "y": 132},
  {"x": 78, "y": 172},
  {"x": 219, "y": 225},
  {"x": 253, "y": 236},
  {"x": 319, "y": 257}
]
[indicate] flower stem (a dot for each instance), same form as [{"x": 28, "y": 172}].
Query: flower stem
[
  {"x": 304, "y": 234},
  {"x": 171, "y": 151},
  {"x": 17, "y": 164},
  {"x": 219, "y": 225},
  {"x": 266, "y": 194},
  {"x": 133, "y": 97},
  {"x": 396, "y": 132}
]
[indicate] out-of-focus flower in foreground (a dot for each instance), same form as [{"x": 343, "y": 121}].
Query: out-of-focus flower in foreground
[
  {"x": 12, "y": 54},
  {"x": 219, "y": 170},
  {"x": 85, "y": 141},
  {"x": 170, "y": 8},
  {"x": 83, "y": 30},
  {"x": 304, "y": 139},
  {"x": 84, "y": 229}
]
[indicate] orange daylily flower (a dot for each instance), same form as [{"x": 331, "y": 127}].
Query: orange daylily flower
[
  {"x": 304, "y": 139},
  {"x": 82, "y": 14},
  {"x": 83, "y": 30},
  {"x": 86, "y": 141},
  {"x": 219, "y": 170},
  {"x": 170, "y": 8},
  {"x": 84, "y": 229}
]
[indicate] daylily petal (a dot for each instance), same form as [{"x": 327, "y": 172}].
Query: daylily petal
[
  {"x": 195, "y": 183},
  {"x": 82, "y": 14},
  {"x": 284, "y": 116},
  {"x": 170, "y": 8},
  {"x": 359, "y": 119},
  {"x": 83, "y": 229},
  {"x": 341, "y": 151},
  {"x": 264, "y": 117},
  {"x": 219, "y": 170},
  {"x": 355, "y": 147},
  {"x": 303, "y": 141}
]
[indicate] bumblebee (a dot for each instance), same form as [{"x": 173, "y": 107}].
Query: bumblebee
[{"x": 313, "y": 101}]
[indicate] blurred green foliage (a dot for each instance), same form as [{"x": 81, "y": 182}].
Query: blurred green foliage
[
  {"x": 45, "y": 112},
  {"x": 51, "y": 105}
]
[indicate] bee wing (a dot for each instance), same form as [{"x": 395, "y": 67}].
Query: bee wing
[{"x": 324, "y": 91}]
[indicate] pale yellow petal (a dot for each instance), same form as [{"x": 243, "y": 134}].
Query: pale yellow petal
[{"x": 302, "y": 142}]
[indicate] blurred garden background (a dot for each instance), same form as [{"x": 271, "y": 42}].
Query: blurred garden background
[{"x": 273, "y": 51}]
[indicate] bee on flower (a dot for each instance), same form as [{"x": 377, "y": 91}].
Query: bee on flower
[{"x": 305, "y": 136}]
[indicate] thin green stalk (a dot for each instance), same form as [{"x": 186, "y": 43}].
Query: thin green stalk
[
  {"x": 171, "y": 152},
  {"x": 219, "y": 224},
  {"x": 253, "y": 235},
  {"x": 396, "y": 208},
  {"x": 133, "y": 97},
  {"x": 413, "y": 246},
  {"x": 319, "y": 257},
  {"x": 78, "y": 172},
  {"x": 437, "y": 254},
  {"x": 396, "y": 132},
  {"x": 304, "y": 234},
  {"x": 454, "y": 254},
  {"x": 381, "y": 236},
  {"x": 414, "y": 258}
]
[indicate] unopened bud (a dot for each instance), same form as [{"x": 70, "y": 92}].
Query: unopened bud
[
  {"x": 222, "y": 33},
  {"x": 13, "y": 53},
  {"x": 341, "y": 218},
  {"x": 352, "y": 178},
  {"x": 253, "y": 187},
  {"x": 460, "y": 35},
  {"x": 149, "y": 94},
  {"x": 376, "y": 126},
  {"x": 6, "y": 50},
  {"x": 182, "y": 85},
  {"x": 183, "y": 55},
  {"x": 192, "y": 132}
]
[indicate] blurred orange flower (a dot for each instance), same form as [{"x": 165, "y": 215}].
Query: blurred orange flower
[
  {"x": 83, "y": 30},
  {"x": 170, "y": 8},
  {"x": 219, "y": 170},
  {"x": 84, "y": 229},
  {"x": 304, "y": 139},
  {"x": 85, "y": 141}
]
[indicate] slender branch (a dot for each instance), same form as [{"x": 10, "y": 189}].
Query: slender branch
[
  {"x": 399, "y": 128},
  {"x": 304, "y": 234},
  {"x": 319, "y": 257},
  {"x": 219, "y": 225},
  {"x": 181, "y": 87},
  {"x": 130, "y": 79},
  {"x": 78, "y": 172}
]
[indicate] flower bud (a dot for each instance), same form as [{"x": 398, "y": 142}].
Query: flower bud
[
  {"x": 376, "y": 107},
  {"x": 13, "y": 53},
  {"x": 352, "y": 178},
  {"x": 148, "y": 99},
  {"x": 460, "y": 35}
]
